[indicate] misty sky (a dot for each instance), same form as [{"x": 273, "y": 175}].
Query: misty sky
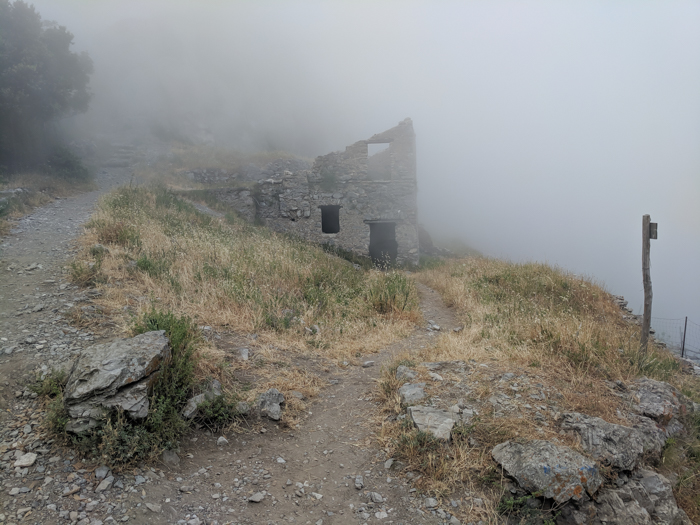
[{"x": 545, "y": 130}]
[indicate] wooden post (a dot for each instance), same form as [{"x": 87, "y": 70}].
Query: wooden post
[
  {"x": 646, "y": 278},
  {"x": 685, "y": 328}
]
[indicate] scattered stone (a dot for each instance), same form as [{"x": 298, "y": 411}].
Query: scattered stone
[
  {"x": 106, "y": 484},
  {"x": 317, "y": 495},
  {"x": 367, "y": 364},
  {"x": 376, "y": 497},
  {"x": 243, "y": 353},
  {"x": 281, "y": 461},
  {"x": 438, "y": 422},
  {"x": 154, "y": 507},
  {"x": 297, "y": 394},
  {"x": 170, "y": 458},
  {"x": 412, "y": 393},
  {"x": 26, "y": 460},
  {"x": 403, "y": 372},
  {"x": 388, "y": 463},
  {"x": 269, "y": 404},
  {"x": 556, "y": 472},
  {"x": 434, "y": 376},
  {"x": 430, "y": 503},
  {"x": 257, "y": 497},
  {"x": 243, "y": 408},
  {"x": 101, "y": 472},
  {"x": 114, "y": 375},
  {"x": 222, "y": 441},
  {"x": 359, "y": 482},
  {"x": 193, "y": 403}
]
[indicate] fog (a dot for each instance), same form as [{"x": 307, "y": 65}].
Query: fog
[{"x": 545, "y": 130}]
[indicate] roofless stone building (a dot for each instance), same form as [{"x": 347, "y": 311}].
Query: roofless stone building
[{"x": 352, "y": 199}]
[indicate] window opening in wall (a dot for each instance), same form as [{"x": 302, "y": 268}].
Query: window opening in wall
[
  {"x": 330, "y": 219},
  {"x": 379, "y": 161},
  {"x": 382, "y": 243}
]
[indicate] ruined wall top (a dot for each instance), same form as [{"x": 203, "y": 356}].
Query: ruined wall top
[{"x": 397, "y": 162}]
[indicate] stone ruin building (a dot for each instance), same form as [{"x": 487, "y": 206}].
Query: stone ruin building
[{"x": 352, "y": 199}]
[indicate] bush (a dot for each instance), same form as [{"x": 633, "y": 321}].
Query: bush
[
  {"x": 65, "y": 164},
  {"x": 121, "y": 441}
]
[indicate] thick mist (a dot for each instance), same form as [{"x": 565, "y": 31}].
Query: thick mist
[{"x": 545, "y": 130}]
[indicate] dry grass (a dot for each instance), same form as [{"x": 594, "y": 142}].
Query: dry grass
[
  {"x": 39, "y": 190},
  {"x": 237, "y": 277},
  {"x": 535, "y": 317},
  {"x": 552, "y": 329}
]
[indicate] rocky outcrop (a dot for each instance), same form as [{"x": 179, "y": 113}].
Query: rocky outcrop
[
  {"x": 553, "y": 471},
  {"x": 114, "y": 375},
  {"x": 644, "y": 499},
  {"x": 663, "y": 403},
  {"x": 615, "y": 445}
]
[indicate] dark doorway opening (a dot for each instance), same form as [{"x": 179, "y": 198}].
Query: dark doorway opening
[
  {"x": 382, "y": 243},
  {"x": 330, "y": 219}
]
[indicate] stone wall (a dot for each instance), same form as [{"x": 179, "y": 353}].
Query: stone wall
[{"x": 292, "y": 202}]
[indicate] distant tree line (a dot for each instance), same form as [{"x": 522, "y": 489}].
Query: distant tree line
[{"x": 41, "y": 80}]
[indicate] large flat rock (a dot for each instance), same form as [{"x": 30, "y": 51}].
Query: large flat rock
[
  {"x": 115, "y": 375},
  {"x": 663, "y": 403},
  {"x": 435, "y": 421},
  {"x": 554, "y": 471}
]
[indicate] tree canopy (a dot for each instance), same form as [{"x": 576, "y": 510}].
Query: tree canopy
[{"x": 41, "y": 80}]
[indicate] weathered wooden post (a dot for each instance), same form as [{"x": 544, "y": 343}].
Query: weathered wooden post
[{"x": 649, "y": 231}]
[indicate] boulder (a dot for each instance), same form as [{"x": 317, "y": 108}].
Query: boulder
[
  {"x": 270, "y": 403},
  {"x": 412, "y": 393},
  {"x": 193, "y": 403},
  {"x": 615, "y": 445},
  {"x": 114, "y": 375},
  {"x": 645, "y": 499},
  {"x": 435, "y": 421},
  {"x": 554, "y": 471}
]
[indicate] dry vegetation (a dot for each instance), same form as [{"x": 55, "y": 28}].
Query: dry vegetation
[
  {"x": 163, "y": 254},
  {"x": 560, "y": 330}
]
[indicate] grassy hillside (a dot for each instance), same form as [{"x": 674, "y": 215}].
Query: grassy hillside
[{"x": 551, "y": 331}]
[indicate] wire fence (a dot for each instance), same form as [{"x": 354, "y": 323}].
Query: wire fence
[{"x": 682, "y": 336}]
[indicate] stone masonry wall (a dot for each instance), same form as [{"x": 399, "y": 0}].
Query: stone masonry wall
[{"x": 292, "y": 203}]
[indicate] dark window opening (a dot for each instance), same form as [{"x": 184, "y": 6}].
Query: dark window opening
[
  {"x": 382, "y": 243},
  {"x": 330, "y": 219}
]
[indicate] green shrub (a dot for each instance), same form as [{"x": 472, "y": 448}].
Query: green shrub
[{"x": 65, "y": 164}]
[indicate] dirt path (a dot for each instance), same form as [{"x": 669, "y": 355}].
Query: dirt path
[{"x": 304, "y": 476}]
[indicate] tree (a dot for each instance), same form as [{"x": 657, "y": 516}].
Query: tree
[{"x": 41, "y": 80}]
